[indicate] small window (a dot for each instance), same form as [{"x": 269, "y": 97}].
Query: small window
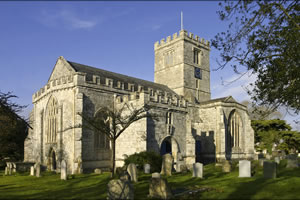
[
  {"x": 197, "y": 83},
  {"x": 169, "y": 118},
  {"x": 198, "y": 73}
]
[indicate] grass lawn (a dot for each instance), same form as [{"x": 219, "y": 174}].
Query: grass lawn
[{"x": 214, "y": 185}]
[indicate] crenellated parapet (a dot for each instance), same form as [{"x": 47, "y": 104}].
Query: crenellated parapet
[
  {"x": 183, "y": 34},
  {"x": 55, "y": 84},
  {"x": 157, "y": 99}
]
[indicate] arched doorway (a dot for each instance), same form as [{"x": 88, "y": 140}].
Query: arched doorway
[
  {"x": 166, "y": 146},
  {"x": 52, "y": 161}
]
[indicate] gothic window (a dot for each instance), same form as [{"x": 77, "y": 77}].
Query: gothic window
[
  {"x": 100, "y": 139},
  {"x": 52, "y": 123},
  {"x": 234, "y": 129},
  {"x": 197, "y": 56}
]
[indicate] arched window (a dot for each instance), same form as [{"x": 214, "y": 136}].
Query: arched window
[
  {"x": 234, "y": 129},
  {"x": 52, "y": 112},
  {"x": 101, "y": 139}
]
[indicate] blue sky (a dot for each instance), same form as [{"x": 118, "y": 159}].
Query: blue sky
[{"x": 116, "y": 36}]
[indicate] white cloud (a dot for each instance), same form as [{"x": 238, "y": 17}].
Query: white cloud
[{"x": 68, "y": 19}]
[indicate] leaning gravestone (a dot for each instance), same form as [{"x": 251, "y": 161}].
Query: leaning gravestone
[
  {"x": 244, "y": 168},
  {"x": 147, "y": 168},
  {"x": 226, "y": 167},
  {"x": 32, "y": 171},
  {"x": 118, "y": 189},
  {"x": 37, "y": 170},
  {"x": 198, "y": 170},
  {"x": 6, "y": 171},
  {"x": 63, "y": 170},
  {"x": 132, "y": 171},
  {"x": 270, "y": 169},
  {"x": 167, "y": 162},
  {"x": 159, "y": 188}
]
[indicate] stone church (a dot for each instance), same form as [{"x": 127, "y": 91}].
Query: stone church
[{"x": 192, "y": 126}]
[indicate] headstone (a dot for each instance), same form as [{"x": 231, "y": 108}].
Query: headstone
[
  {"x": 261, "y": 162},
  {"x": 244, "y": 168},
  {"x": 97, "y": 171},
  {"x": 159, "y": 188},
  {"x": 226, "y": 167},
  {"x": 118, "y": 189},
  {"x": 63, "y": 170},
  {"x": 147, "y": 168},
  {"x": 6, "y": 170},
  {"x": 32, "y": 171},
  {"x": 198, "y": 170},
  {"x": 292, "y": 163},
  {"x": 167, "y": 163},
  {"x": 179, "y": 165},
  {"x": 268, "y": 156},
  {"x": 14, "y": 167},
  {"x": 270, "y": 169},
  {"x": 132, "y": 171},
  {"x": 156, "y": 175},
  {"x": 277, "y": 160},
  {"x": 37, "y": 170}
]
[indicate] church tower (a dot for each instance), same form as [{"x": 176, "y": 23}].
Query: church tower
[{"x": 182, "y": 63}]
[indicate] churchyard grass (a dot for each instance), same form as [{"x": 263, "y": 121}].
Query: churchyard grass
[{"x": 214, "y": 185}]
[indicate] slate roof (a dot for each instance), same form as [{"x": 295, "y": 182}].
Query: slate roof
[
  {"x": 223, "y": 99},
  {"x": 118, "y": 77}
]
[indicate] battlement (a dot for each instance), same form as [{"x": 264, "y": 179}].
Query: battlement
[
  {"x": 183, "y": 34},
  {"x": 54, "y": 84},
  {"x": 156, "y": 99}
]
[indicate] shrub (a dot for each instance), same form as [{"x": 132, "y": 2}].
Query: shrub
[{"x": 152, "y": 158}]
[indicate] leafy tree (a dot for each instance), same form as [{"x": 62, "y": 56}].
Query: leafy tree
[
  {"x": 113, "y": 122},
  {"x": 264, "y": 38},
  {"x": 269, "y": 132},
  {"x": 13, "y": 128}
]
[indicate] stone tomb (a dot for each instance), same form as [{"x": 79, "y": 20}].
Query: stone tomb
[
  {"x": 97, "y": 171},
  {"x": 63, "y": 170},
  {"x": 198, "y": 170},
  {"x": 119, "y": 189},
  {"x": 147, "y": 168},
  {"x": 244, "y": 168},
  {"x": 132, "y": 171},
  {"x": 167, "y": 163},
  {"x": 270, "y": 169}
]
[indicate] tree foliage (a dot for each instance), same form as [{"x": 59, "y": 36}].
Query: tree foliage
[
  {"x": 269, "y": 132},
  {"x": 13, "y": 128},
  {"x": 263, "y": 37},
  {"x": 113, "y": 122}
]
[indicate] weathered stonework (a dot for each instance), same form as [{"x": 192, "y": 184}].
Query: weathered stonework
[{"x": 190, "y": 123}]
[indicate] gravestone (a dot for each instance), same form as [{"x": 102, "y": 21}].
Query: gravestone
[
  {"x": 292, "y": 163},
  {"x": 156, "y": 175},
  {"x": 14, "y": 167},
  {"x": 277, "y": 160},
  {"x": 118, "y": 189},
  {"x": 159, "y": 188},
  {"x": 270, "y": 169},
  {"x": 97, "y": 171},
  {"x": 132, "y": 171},
  {"x": 198, "y": 170},
  {"x": 268, "y": 156},
  {"x": 244, "y": 168},
  {"x": 167, "y": 163},
  {"x": 261, "y": 162},
  {"x": 63, "y": 170},
  {"x": 38, "y": 169},
  {"x": 226, "y": 167},
  {"x": 147, "y": 168},
  {"x": 6, "y": 171},
  {"x": 32, "y": 171}
]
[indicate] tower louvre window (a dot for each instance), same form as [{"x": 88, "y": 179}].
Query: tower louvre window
[
  {"x": 197, "y": 56},
  {"x": 198, "y": 73}
]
